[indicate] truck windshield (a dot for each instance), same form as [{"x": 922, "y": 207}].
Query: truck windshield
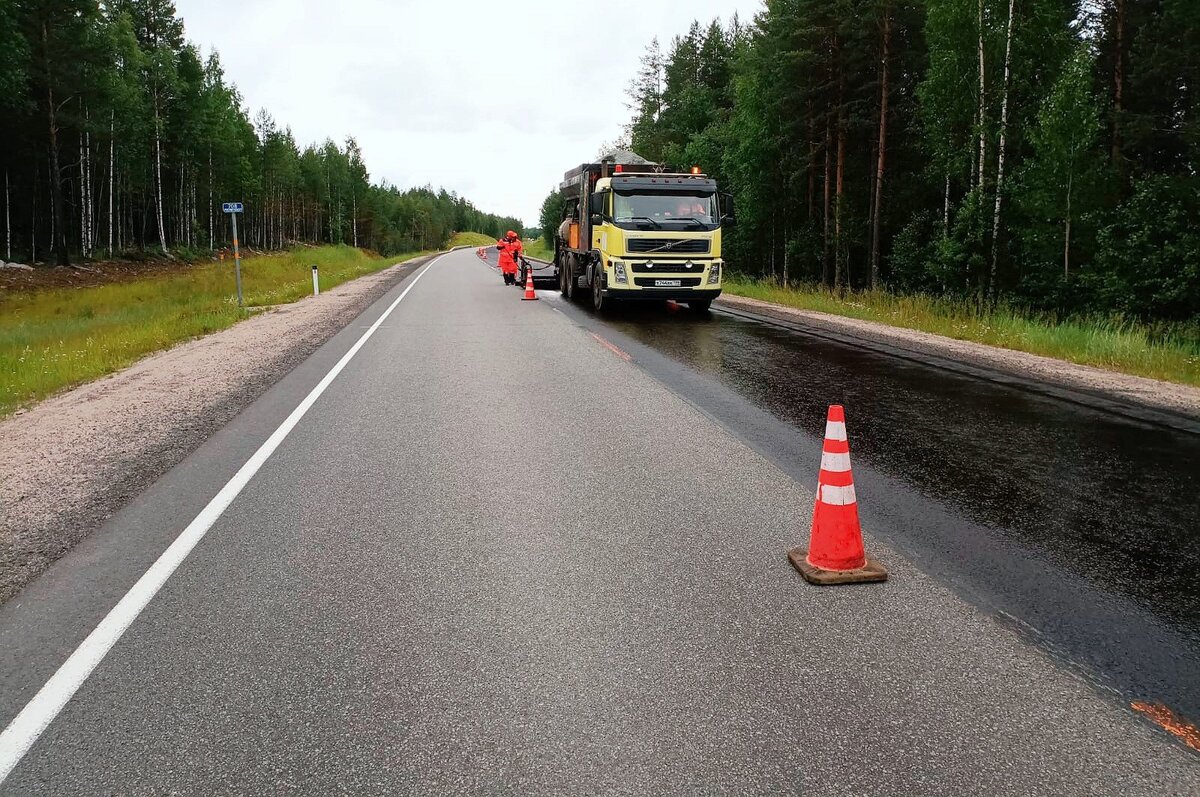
[{"x": 665, "y": 210}]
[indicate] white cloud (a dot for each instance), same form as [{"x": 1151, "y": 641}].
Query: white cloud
[{"x": 492, "y": 100}]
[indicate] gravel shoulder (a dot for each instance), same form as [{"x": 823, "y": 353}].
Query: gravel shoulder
[
  {"x": 1168, "y": 403},
  {"x": 69, "y": 463}
]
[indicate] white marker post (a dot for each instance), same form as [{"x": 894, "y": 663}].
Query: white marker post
[
  {"x": 316, "y": 284},
  {"x": 233, "y": 209}
]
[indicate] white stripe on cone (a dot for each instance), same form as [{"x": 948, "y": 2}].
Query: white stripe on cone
[
  {"x": 838, "y": 496},
  {"x": 835, "y": 463},
  {"x": 835, "y": 430}
]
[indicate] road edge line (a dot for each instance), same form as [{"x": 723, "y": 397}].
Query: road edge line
[{"x": 24, "y": 730}]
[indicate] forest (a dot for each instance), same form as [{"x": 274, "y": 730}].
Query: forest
[
  {"x": 1040, "y": 153},
  {"x": 117, "y": 136}
]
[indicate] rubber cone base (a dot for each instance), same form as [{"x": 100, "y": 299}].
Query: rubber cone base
[{"x": 870, "y": 572}]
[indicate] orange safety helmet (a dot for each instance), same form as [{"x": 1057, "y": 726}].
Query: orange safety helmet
[{"x": 510, "y": 234}]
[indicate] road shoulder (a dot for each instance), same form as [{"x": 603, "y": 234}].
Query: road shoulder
[
  {"x": 72, "y": 461},
  {"x": 1152, "y": 400}
]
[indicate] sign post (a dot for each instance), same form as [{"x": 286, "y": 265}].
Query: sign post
[{"x": 233, "y": 209}]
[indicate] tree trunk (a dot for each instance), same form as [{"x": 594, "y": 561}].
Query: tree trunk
[
  {"x": 91, "y": 188},
  {"x": 58, "y": 237},
  {"x": 1118, "y": 85},
  {"x": 192, "y": 218},
  {"x": 992, "y": 286},
  {"x": 50, "y": 178},
  {"x": 841, "y": 266},
  {"x": 211, "y": 239},
  {"x": 974, "y": 161},
  {"x": 812, "y": 162},
  {"x": 33, "y": 220},
  {"x": 85, "y": 198},
  {"x": 162, "y": 232},
  {"x": 772, "y": 245},
  {"x": 946, "y": 208},
  {"x": 181, "y": 207},
  {"x": 7, "y": 218},
  {"x": 1067, "y": 231},
  {"x": 880, "y": 164},
  {"x": 826, "y": 266},
  {"x": 786, "y": 236},
  {"x": 982, "y": 104},
  {"x": 112, "y": 165},
  {"x": 82, "y": 200},
  {"x": 354, "y": 210}
]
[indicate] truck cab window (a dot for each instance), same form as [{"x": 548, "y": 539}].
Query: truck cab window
[{"x": 665, "y": 210}]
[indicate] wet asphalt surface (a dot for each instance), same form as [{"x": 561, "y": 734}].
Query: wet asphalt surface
[{"x": 1078, "y": 525}]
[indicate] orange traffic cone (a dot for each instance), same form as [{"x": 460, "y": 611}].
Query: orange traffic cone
[
  {"x": 529, "y": 296},
  {"x": 835, "y": 553}
]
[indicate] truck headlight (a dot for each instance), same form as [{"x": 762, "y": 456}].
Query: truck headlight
[
  {"x": 714, "y": 273},
  {"x": 619, "y": 271}
]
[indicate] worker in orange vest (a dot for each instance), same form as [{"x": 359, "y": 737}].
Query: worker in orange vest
[{"x": 510, "y": 249}]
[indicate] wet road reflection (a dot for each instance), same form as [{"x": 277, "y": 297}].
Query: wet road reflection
[{"x": 1113, "y": 500}]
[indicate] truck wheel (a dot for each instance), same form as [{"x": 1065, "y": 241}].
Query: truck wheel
[
  {"x": 599, "y": 303},
  {"x": 700, "y": 306},
  {"x": 572, "y": 282},
  {"x": 563, "y": 279}
]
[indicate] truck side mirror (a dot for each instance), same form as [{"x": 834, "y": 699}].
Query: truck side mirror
[
  {"x": 596, "y": 219},
  {"x": 728, "y": 213},
  {"x": 596, "y": 207}
]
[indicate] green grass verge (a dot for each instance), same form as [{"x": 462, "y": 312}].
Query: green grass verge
[
  {"x": 536, "y": 247},
  {"x": 1171, "y": 355},
  {"x": 475, "y": 239},
  {"x": 53, "y": 339},
  {"x": 541, "y": 248}
]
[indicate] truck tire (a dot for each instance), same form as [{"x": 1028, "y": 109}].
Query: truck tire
[
  {"x": 564, "y": 276},
  {"x": 700, "y": 306},
  {"x": 573, "y": 293},
  {"x": 599, "y": 303}
]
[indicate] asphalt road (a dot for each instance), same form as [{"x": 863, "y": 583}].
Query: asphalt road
[
  {"x": 1075, "y": 520},
  {"x": 384, "y": 608}
]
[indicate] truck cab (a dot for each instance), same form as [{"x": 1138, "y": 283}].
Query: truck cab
[{"x": 643, "y": 234}]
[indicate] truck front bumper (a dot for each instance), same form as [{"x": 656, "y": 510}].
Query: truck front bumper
[{"x": 677, "y": 294}]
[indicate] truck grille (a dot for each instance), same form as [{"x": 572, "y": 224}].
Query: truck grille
[
  {"x": 673, "y": 246},
  {"x": 684, "y": 282},
  {"x": 678, "y": 266}
]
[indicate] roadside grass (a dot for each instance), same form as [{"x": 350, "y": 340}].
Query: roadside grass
[
  {"x": 58, "y": 338},
  {"x": 1169, "y": 353},
  {"x": 475, "y": 239},
  {"x": 540, "y": 248}
]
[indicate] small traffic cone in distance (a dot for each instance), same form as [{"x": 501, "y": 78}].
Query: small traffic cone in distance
[
  {"x": 835, "y": 552},
  {"x": 530, "y": 295}
]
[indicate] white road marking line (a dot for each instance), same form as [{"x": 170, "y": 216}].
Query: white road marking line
[{"x": 39, "y": 712}]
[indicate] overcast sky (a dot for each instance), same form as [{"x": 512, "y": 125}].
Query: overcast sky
[{"x": 494, "y": 100}]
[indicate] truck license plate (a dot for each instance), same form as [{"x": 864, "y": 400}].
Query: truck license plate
[{"x": 667, "y": 283}]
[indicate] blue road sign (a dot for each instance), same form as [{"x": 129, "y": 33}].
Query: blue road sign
[{"x": 232, "y": 207}]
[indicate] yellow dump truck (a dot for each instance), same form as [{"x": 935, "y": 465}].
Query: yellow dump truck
[{"x": 634, "y": 230}]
